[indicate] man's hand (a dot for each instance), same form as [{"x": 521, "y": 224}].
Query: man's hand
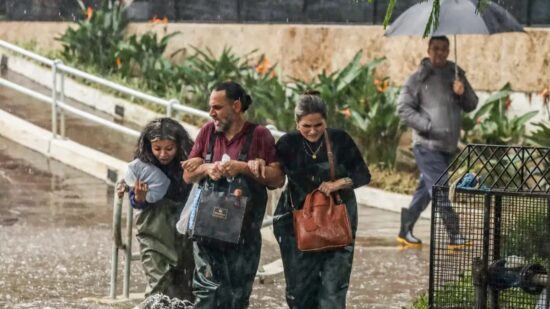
[
  {"x": 215, "y": 171},
  {"x": 232, "y": 168},
  {"x": 140, "y": 191},
  {"x": 191, "y": 165},
  {"x": 458, "y": 87},
  {"x": 257, "y": 167}
]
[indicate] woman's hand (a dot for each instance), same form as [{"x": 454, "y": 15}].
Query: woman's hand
[
  {"x": 140, "y": 191},
  {"x": 191, "y": 165},
  {"x": 257, "y": 167},
  {"x": 327, "y": 187}
]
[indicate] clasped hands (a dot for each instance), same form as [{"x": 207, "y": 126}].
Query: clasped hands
[{"x": 231, "y": 168}]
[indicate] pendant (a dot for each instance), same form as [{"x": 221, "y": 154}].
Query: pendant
[{"x": 314, "y": 157}]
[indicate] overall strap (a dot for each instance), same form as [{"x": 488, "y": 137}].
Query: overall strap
[
  {"x": 210, "y": 151},
  {"x": 244, "y": 150},
  {"x": 246, "y": 147}
]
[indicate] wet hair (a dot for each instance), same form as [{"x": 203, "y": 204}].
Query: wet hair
[
  {"x": 310, "y": 103},
  {"x": 234, "y": 91},
  {"x": 163, "y": 129},
  {"x": 438, "y": 38}
]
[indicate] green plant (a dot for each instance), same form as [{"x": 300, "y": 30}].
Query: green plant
[
  {"x": 421, "y": 302},
  {"x": 203, "y": 70},
  {"x": 97, "y": 36},
  {"x": 362, "y": 105},
  {"x": 273, "y": 102},
  {"x": 540, "y": 137},
  {"x": 491, "y": 124},
  {"x": 142, "y": 57}
]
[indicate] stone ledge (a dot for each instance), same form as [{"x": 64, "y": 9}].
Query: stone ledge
[{"x": 68, "y": 152}]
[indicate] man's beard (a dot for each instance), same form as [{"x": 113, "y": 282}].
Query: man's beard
[{"x": 224, "y": 125}]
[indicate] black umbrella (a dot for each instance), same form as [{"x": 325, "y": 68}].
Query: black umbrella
[{"x": 455, "y": 17}]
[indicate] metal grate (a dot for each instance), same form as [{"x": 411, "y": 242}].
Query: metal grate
[{"x": 493, "y": 202}]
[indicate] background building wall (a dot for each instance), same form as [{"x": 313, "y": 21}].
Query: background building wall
[{"x": 304, "y": 50}]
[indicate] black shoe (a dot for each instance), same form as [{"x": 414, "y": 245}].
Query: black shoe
[
  {"x": 458, "y": 242},
  {"x": 408, "y": 240}
]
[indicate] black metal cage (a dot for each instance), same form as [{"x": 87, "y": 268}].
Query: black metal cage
[{"x": 490, "y": 240}]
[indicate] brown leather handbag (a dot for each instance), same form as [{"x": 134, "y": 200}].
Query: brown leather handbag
[{"x": 322, "y": 224}]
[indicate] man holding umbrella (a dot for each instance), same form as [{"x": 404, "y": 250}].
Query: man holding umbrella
[
  {"x": 434, "y": 96},
  {"x": 431, "y": 102}
]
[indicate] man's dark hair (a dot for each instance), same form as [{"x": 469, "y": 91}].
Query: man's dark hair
[
  {"x": 234, "y": 91},
  {"x": 438, "y": 38}
]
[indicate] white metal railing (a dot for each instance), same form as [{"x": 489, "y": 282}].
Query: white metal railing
[{"x": 58, "y": 91}]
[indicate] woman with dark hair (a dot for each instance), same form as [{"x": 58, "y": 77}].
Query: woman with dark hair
[
  {"x": 316, "y": 279},
  {"x": 166, "y": 255}
]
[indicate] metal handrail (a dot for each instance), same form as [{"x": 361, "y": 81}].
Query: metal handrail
[
  {"x": 58, "y": 67},
  {"x": 70, "y": 109}
]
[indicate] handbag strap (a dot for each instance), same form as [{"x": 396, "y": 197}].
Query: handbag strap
[{"x": 330, "y": 156}]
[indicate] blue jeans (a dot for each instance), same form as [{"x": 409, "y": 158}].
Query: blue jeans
[{"x": 432, "y": 164}]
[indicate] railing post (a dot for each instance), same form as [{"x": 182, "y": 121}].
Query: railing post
[
  {"x": 117, "y": 210},
  {"x": 54, "y": 98},
  {"x": 128, "y": 248},
  {"x": 169, "y": 107},
  {"x": 62, "y": 125}
]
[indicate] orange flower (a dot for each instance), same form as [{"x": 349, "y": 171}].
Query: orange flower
[
  {"x": 545, "y": 93},
  {"x": 263, "y": 66},
  {"x": 346, "y": 112},
  {"x": 381, "y": 86},
  {"x": 508, "y": 103},
  {"x": 118, "y": 62},
  {"x": 89, "y": 13},
  {"x": 157, "y": 20}
]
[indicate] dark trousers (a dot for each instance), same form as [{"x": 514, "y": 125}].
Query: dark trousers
[
  {"x": 432, "y": 164},
  {"x": 314, "y": 279},
  {"x": 224, "y": 274}
]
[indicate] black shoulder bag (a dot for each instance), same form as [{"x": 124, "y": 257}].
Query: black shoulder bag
[{"x": 220, "y": 213}]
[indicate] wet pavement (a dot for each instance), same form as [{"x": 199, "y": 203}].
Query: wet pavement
[
  {"x": 55, "y": 236},
  {"x": 55, "y": 233}
]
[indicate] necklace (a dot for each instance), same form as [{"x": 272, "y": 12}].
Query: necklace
[{"x": 311, "y": 153}]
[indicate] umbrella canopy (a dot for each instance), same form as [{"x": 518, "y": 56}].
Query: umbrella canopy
[{"x": 455, "y": 17}]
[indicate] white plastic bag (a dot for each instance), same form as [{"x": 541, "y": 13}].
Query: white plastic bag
[{"x": 185, "y": 223}]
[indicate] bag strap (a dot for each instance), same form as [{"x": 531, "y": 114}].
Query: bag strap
[
  {"x": 330, "y": 156},
  {"x": 211, "y": 142}
]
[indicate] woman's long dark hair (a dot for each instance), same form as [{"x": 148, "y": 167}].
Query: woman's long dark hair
[{"x": 164, "y": 128}]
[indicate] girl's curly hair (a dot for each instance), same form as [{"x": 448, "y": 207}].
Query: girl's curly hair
[{"x": 163, "y": 128}]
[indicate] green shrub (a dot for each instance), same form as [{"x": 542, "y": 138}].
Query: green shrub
[
  {"x": 142, "y": 57},
  {"x": 491, "y": 124},
  {"x": 95, "y": 40}
]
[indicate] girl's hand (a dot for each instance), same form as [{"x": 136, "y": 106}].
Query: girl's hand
[
  {"x": 257, "y": 167},
  {"x": 120, "y": 188},
  {"x": 191, "y": 165},
  {"x": 140, "y": 190},
  {"x": 327, "y": 187}
]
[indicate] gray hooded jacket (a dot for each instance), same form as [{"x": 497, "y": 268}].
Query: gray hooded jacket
[{"x": 428, "y": 104}]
